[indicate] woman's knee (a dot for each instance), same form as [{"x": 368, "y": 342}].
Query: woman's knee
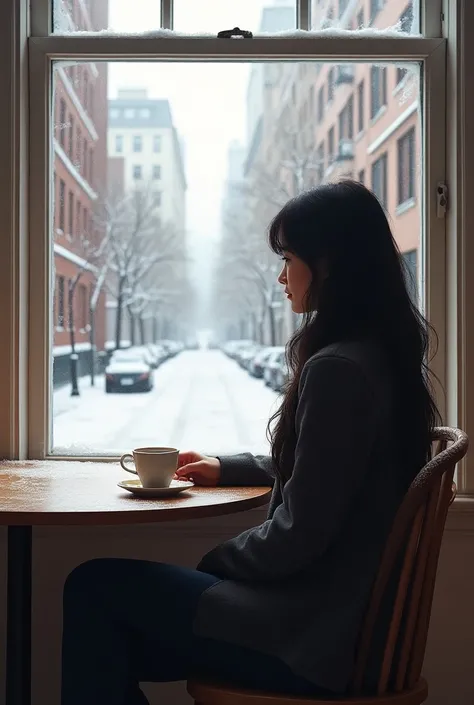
[{"x": 92, "y": 579}]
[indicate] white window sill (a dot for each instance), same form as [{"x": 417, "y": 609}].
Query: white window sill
[{"x": 405, "y": 206}]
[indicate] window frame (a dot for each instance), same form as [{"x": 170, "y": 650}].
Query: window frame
[{"x": 16, "y": 440}]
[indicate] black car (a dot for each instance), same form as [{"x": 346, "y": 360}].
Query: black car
[{"x": 130, "y": 374}]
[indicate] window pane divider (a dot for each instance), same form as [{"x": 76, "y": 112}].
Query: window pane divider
[
  {"x": 303, "y": 11},
  {"x": 167, "y": 14},
  {"x": 311, "y": 48}
]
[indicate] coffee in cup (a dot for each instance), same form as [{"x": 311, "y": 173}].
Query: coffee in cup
[{"x": 155, "y": 466}]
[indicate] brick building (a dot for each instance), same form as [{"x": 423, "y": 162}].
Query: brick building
[{"x": 80, "y": 185}]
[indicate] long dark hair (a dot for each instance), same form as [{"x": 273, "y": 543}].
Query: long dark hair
[{"x": 364, "y": 295}]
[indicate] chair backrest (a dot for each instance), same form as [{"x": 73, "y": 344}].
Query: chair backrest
[{"x": 412, "y": 551}]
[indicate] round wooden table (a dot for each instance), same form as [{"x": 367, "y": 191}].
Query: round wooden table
[{"x": 72, "y": 493}]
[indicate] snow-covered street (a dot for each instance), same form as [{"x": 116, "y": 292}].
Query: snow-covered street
[{"x": 201, "y": 401}]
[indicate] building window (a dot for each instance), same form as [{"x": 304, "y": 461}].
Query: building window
[
  {"x": 62, "y": 122},
  {"x": 85, "y": 157},
  {"x": 137, "y": 172},
  {"x": 91, "y": 166},
  {"x": 331, "y": 84},
  {"x": 410, "y": 262},
  {"x": 114, "y": 113},
  {"x": 361, "y": 177},
  {"x": 379, "y": 179},
  {"x": 406, "y": 166},
  {"x": 71, "y": 214},
  {"x": 129, "y": 113},
  {"x": 343, "y": 6},
  {"x": 360, "y": 19},
  {"x": 119, "y": 144},
  {"x": 378, "y": 92},
  {"x": 60, "y": 306},
  {"x": 321, "y": 164},
  {"x": 375, "y": 7},
  {"x": 70, "y": 148},
  {"x": 321, "y": 104},
  {"x": 156, "y": 171},
  {"x": 78, "y": 218},
  {"x": 85, "y": 221},
  {"x": 86, "y": 92},
  {"x": 331, "y": 146},
  {"x": 137, "y": 143},
  {"x": 78, "y": 164},
  {"x": 360, "y": 106},
  {"x": 145, "y": 113},
  {"x": 156, "y": 143},
  {"x": 346, "y": 120},
  {"x": 157, "y": 199},
  {"x": 400, "y": 74},
  {"x": 62, "y": 204}
]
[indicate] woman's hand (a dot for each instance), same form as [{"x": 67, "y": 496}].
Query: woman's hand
[{"x": 201, "y": 469}]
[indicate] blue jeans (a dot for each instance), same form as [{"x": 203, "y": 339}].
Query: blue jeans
[{"x": 130, "y": 621}]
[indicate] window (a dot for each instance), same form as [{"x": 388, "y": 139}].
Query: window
[
  {"x": 157, "y": 198},
  {"x": 85, "y": 157},
  {"x": 78, "y": 162},
  {"x": 85, "y": 222},
  {"x": 161, "y": 297},
  {"x": 60, "y": 305},
  {"x": 114, "y": 113},
  {"x": 375, "y": 7},
  {"x": 410, "y": 260},
  {"x": 406, "y": 167},
  {"x": 379, "y": 179},
  {"x": 129, "y": 113},
  {"x": 378, "y": 94},
  {"x": 62, "y": 122},
  {"x": 145, "y": 113},
  {"x": 321, "y": 165},
  {"x": 321, "y": 104},
  {"x": 360, "y": 19},
  {"x": 346, "y": 121},
  {"x": 70, "y": 149},
  {"x": 62, "y": 204},
  {"x": 137, "y": 172},
  {"x": 406, "y": 19},
  {"x": 119, "y": 144},
  {"x": 330, "y": 146},
  {"x": 91, "y": 166},
  {"x": 137, "y": 143},
  {"x": 71, "y": 214},
  {"x": 400, "y": 73},
  {"x": 343, "y": 6},
  {"x": 361, "y": 176},
  {"x": 85, "y": 97},
  {"x": 156, "y": 171},
  {"x": 331, "y": 79},
  {"x": 360, "y": 106}
]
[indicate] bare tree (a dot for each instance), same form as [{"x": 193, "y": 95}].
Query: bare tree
[
  {"x": 139, "y": 244},
  {"x": 245, "y": 260}
]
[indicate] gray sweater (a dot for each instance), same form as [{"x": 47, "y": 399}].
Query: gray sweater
[{"x": 297, "y": 586}]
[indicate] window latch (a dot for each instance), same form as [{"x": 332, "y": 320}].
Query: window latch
[{"x": 235, "y": 33}]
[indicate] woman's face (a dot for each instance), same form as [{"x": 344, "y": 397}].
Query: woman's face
[{"x": 296, "y": 278}]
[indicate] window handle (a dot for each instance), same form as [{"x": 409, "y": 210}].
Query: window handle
[{"x": 235, "y": 33}]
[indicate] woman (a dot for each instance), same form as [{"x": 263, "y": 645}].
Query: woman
[{"x": 280, "y": 606}]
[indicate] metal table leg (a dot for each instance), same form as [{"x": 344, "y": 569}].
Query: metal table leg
[{"x": 18, "y": 675}]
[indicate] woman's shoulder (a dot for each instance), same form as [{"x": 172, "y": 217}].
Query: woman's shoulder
[{"x": 366, "y": 357}]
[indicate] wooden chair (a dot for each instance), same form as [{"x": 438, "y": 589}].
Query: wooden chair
[{"x": 415, "y": 540}]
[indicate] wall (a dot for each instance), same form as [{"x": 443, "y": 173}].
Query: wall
[{"x": 448, "y": 664}]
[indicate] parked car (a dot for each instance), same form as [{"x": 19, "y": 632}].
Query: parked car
[
  {"x": 271, "y": 366},
  {"x": 280, "y": 373},
  {"x": 259, "y": 362},
  {"x": 247, "y": 355},
  {"x": 128, "y": 374}
]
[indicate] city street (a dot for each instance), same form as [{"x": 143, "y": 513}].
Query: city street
[{"x": 201, "y": 401}]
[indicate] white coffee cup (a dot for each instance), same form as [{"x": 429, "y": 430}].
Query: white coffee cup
[{"x": 155, "y": 466}]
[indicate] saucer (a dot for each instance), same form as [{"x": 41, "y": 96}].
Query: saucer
[{"x": 135, "y": 486}]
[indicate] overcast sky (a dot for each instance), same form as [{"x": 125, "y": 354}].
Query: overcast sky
[{"x": 208, "y": 101}]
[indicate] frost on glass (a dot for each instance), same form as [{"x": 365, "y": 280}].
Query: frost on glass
[
  {"x": 355, "y": 15},
  {"x": 167, "y": 320}
]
